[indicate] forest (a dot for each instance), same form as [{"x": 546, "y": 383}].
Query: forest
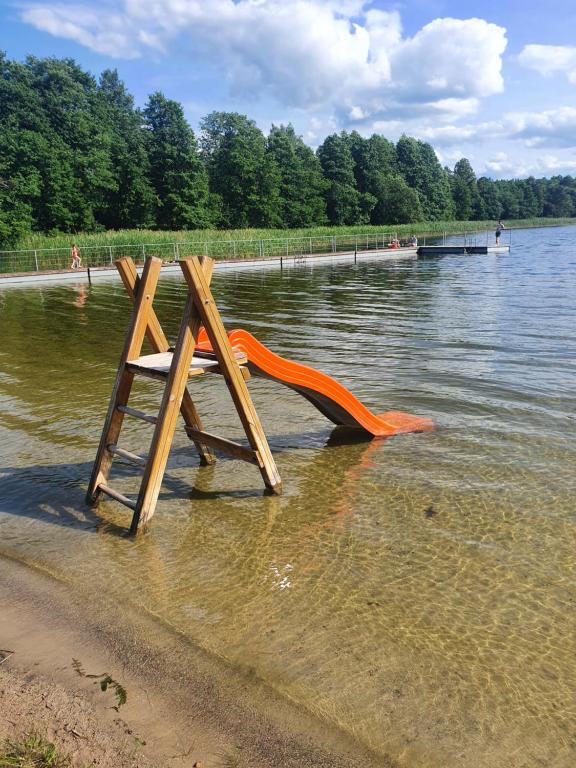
[{"x": 77, "y": 155}]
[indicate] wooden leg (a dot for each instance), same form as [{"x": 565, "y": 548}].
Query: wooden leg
[
  {"x": 124, "y": 378},
  {"x": 167, "y": 418},
  {"x": 206, "y": 307}
]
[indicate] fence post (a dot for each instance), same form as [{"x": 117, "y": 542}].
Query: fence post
[
  {"x": 36, "y": 260},
  {"x": 261, "y": 249},
  {"x": 110, "y": 249},
  {"x": 206, "y": 249},
  {"x": 310, "y": 246}
]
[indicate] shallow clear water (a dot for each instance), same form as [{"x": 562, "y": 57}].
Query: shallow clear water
[{"x": 418, "y": 592}]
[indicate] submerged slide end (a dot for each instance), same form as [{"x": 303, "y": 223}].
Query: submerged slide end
[{"x": 402, "y": 423}]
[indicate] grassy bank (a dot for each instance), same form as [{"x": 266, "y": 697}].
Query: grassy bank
[
  {"x": 42, "y": 253},
  {"x": 139, "y": 237}
]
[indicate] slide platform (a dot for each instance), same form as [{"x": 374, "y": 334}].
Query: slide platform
[{"x": 332, "y": 399}]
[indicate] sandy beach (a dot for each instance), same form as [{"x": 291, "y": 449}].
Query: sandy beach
[{"x": 183, "y": 707}]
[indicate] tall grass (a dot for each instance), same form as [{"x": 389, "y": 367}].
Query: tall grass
[
  {"x": 139, "y": 237},
  {"x": 41, "y": 252}
]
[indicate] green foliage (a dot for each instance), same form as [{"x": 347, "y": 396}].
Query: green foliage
[
  {"x": 422, "y": 171},
  {"x": 176, "y": 171},
  {"x": 344, "y": 202},
  {"x": 33, "y": 751},
  {"x": 467, "y": 202},
  {"x": 243, "y": 175},
  {"x": 131, "y": 200},
  {"x": 302, "y": 185}
]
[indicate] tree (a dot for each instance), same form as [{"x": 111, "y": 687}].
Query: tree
[
  {"x": 76, "y": 170},
  {"x": 176, "y": 171},
  {"x": 343, "y": 200},
  {"x": 243, "y": 175},
  {"x": 422, "y": 171},
  {"x": 130, "y": 203},
  {"x": 467, "y": 202},
  {"x": 490, "y": 205},
  {"x": 301, "y": 185}
]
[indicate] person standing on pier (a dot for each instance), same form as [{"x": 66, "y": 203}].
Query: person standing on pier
[
  {"x": 499, "y": 228},
  {"x": 75, "y": 253}
]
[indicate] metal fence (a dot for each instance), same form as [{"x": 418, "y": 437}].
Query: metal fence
[{"x": 46, "y": 259}]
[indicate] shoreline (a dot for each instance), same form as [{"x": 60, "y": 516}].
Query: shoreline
[{"x": 184, "y": 706}]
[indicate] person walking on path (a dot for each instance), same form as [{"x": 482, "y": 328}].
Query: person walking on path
[
  {"x": 499, "y": 228},
  {"x": 76, "y": 260}
]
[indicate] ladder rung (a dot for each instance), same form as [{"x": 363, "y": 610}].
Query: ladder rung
[
  {"x": 137, "y": 414},
  {"x": 128, "y": 455},
  {"x": 117, "y": 496},
  {"x": 226, "y": 446}
]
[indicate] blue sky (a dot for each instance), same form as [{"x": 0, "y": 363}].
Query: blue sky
[{"x": 491, "y": 81}]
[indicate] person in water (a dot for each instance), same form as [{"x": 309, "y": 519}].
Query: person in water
[{"x": 499, "y": 228}]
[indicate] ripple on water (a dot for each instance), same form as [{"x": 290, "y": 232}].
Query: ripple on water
[{"x": 418, "y": 592}]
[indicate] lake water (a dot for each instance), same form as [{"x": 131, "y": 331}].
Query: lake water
[{"x": 420, "y": 592}]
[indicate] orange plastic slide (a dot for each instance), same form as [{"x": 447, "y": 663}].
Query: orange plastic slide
[{"x": 331, "y": 398}]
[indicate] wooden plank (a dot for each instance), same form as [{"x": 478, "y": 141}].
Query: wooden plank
[
  {"x": 159, "y": 343},
  {"x": 226, "y": 446},
  {"x": 124, "y": 378},
  {"x": 206, "y": 308},
  {"x": 162, "y": 361},
  {"x": 160, "y": 375},
  {"x": 167, "y": 416}
]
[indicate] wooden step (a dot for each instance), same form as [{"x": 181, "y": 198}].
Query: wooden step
[
  {"x": 228, "y": 447},
  {"x": 117, "y": 496},
  {"x": 137, "y": 414},
  {"x": 128, "y": 455}
]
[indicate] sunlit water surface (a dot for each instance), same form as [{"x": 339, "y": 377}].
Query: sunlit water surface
[{"x": 420, "y": 592}]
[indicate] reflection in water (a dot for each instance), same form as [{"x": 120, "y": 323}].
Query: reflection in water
[{"x": 444, "y": 638}]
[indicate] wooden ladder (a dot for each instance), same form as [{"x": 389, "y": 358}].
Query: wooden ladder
[{"x": 174, "y": 366}]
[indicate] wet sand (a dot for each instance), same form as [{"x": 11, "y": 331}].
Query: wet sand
[{"x": 183, "y": 706}]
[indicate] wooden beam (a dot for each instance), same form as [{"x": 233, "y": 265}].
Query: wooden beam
[
  {"x": 167, "y": 417},
  {"x": 124, "y": 378},
  {"x": 226, "y": 446},
  {"x": 206, "y": 308}
]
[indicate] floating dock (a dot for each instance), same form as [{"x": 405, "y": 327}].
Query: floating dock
[{"x": 462, "y": 250}]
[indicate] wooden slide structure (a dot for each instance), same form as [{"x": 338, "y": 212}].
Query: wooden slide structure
[{"x": 204, "y": 347}]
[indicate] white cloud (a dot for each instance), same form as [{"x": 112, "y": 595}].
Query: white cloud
[
  {"x": 550, "y": 59},
  {"x": 502, "y": 165},
  {"x": 552, "y": 128},
  {"x": 309, "y": 54},
  {"x": 85, "y": 26}
]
